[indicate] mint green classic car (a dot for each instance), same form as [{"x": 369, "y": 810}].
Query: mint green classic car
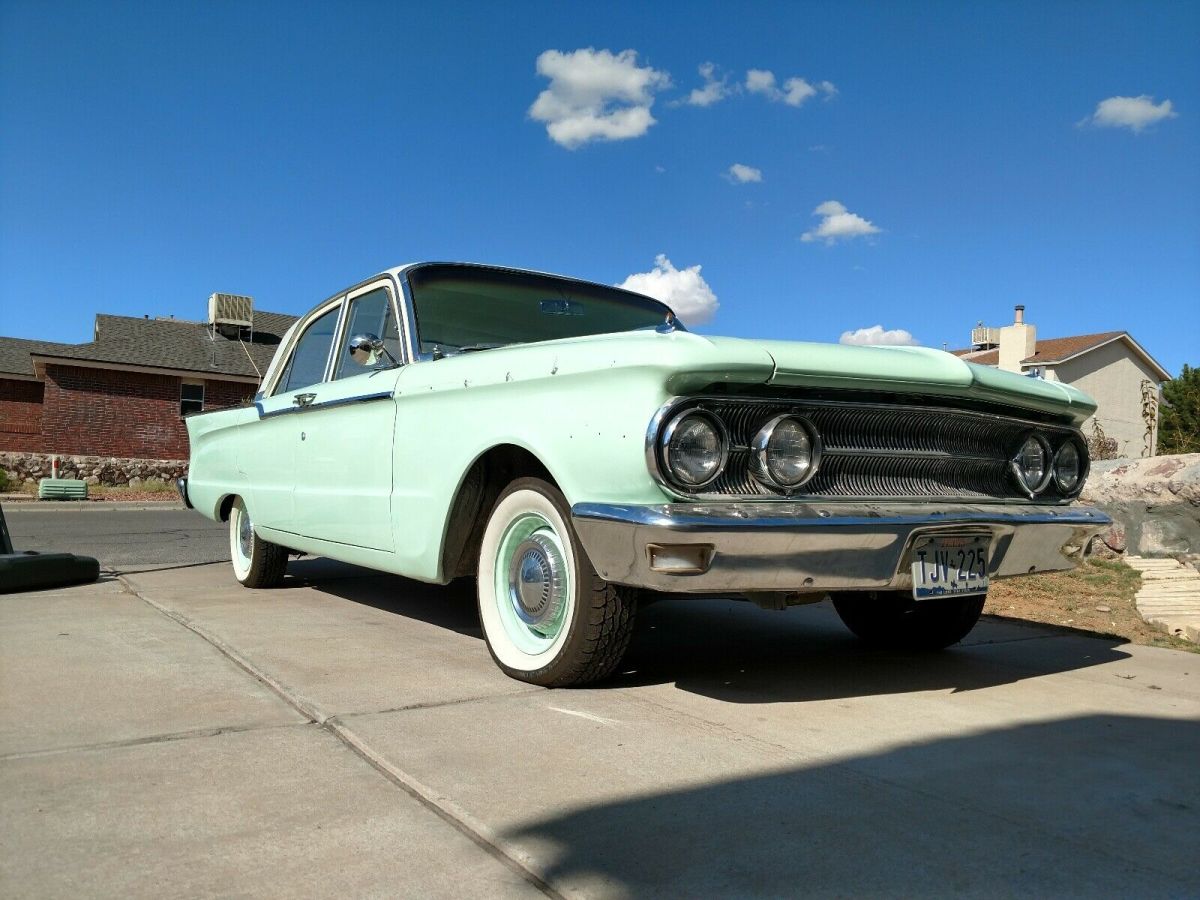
[{"x": 575, "y": 449}]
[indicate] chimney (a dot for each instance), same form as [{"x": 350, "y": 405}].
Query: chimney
[{"x": 1018, "y": 341}]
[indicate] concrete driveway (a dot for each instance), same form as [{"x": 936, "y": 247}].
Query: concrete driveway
[{"x": 174, "y": 734}]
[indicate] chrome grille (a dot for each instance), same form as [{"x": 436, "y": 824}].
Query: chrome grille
[{"x": 877, "y": 451}]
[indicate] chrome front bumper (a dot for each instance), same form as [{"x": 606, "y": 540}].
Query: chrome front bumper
[
  {"x": 181, "y": 486},
  {"x": 779, "y": 546}
]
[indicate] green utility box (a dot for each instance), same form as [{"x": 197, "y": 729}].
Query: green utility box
[{"x": 62, "y": 489}]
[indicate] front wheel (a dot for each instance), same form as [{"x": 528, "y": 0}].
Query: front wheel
[
  {"x": 548, "y": 618},
  {"x": 256, "y": 563},
  {"x": 894, "y": 619}
]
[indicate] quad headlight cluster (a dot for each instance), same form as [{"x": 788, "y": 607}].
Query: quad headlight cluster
[
  {"x": 1036, "y": 465},
  {"x": 694, "y": 449},
  {"x": 689, "y": 448}
]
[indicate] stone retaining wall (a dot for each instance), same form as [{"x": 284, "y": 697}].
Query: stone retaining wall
[{"x": 28, "y": 468}]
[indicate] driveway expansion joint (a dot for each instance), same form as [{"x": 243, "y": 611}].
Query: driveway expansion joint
[
  {"x": 510, "y": 855},
  {"x": 305, "y": 707},
  {"x": 168, "y": 737}
]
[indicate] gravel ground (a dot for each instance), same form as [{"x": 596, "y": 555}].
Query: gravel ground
[{"x": 1096, "y": 599}]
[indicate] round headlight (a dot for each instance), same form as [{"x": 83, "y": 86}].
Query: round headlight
[
  {"x": 1068, "y": 467},
  {"x": 785, "y": 452},
  {"x": 1031, "y": 465},
  {"x": 694, "y": 448}
]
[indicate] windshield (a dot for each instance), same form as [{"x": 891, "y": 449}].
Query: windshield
[{"x": 461, "y": 308}]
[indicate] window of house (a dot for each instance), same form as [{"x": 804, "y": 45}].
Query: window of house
[
  {"x": 371, "y": 314},
  {"x": 191, "y": 397},
  {"x": 307, "y": 364}
]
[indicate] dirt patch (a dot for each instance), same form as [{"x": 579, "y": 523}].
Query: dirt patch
[
  {"x": 1096, "y": 598},
  {"x": 152, "y": 491}
]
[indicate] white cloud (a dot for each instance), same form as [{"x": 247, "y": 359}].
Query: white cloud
[
  {"x": 838, "y": 224},
  {"x": 795, "y": 91},
  {"x": 740, "y": 174},
  {"x": 875, "y": 335},
  {"x": 761, "y": 81},
  {"x": 596, "y": 95},
  {"x": 713, "y": 91},
  {"x": 684, "y": 290},
  {"x": 1134, "y": 113}
]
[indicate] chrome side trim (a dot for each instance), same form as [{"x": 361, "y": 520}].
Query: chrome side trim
[{"x": 314, "y": 407}]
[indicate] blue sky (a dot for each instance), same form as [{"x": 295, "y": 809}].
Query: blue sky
[{"x": 151, "y": 154}]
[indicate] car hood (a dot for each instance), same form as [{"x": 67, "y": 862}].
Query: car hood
[
  {"x": 917, "y": 370},
  {"x": 690, "y": 362}
]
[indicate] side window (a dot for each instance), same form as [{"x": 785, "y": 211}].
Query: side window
[
  {"x": 370, "y": 313},
  {"x": 307, "y": 365}
]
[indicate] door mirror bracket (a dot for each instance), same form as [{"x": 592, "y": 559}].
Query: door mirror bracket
[{"x": 367, "y": 350}]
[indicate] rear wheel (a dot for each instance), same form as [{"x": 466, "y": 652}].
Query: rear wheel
[
  {"x": 256, "y": 563},
  {"x": 548, "y": 618},
  {"x": 894, "y": 619}
]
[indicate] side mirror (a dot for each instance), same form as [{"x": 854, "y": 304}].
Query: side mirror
[{"x": 366, "y": 349}]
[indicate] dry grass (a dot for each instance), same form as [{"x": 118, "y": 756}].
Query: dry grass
[
  {"x": 1096, "y": 598},
  {"x": 150, "y": 490}
]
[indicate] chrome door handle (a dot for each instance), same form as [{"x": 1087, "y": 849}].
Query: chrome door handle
[{"x": 303, "y": 400}]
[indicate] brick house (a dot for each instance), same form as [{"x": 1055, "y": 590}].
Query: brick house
[
  {"x": 1110, "y": 366},
  {"x": 124, "y": 393}
]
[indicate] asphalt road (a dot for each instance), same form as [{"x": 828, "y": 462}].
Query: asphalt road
[{"x": 122, "y": 539}]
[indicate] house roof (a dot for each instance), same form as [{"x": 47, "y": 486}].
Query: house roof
[
  {"x": 15, "y": 355},
  {"x": 158, "y": 344},
  {"x": 1052, "y": 351}
]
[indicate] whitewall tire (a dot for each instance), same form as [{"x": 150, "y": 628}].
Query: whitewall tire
[
  {"x": 256, "y": 563},
  {"x": 548, "y": 618}
]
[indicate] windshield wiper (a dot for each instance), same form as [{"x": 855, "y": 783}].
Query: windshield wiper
[{"x": 471, "y": 348}]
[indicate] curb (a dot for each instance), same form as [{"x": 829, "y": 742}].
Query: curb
[{"x": 12, "y": 506}]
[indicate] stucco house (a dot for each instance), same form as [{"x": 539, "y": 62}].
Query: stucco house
[
  {"x": 1110, "y": 366},
  {"x": 124, "y": 393}
]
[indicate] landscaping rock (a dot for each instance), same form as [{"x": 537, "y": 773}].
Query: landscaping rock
[
  {"x": 30, "y": 468},
  {"x": 1154, "y": 502}
]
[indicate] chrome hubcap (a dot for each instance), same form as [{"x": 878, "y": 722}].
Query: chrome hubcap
[
  {"x": 245, "y": 534},
  {"x": 536, "y": 584}
]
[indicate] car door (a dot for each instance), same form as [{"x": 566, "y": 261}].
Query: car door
[
  {"x": 270, "y": 445},
  {"x": 344, "y": 462}
]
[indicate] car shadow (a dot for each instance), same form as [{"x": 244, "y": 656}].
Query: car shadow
[
  {"x": 449, "y": 606},
  {"x": 738, "y": 653},
  {"x": 735, "y": 652},
  {"x": 1089, "y": 806}
]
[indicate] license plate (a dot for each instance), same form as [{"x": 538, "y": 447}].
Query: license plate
[{"x": 946, "y": 566}]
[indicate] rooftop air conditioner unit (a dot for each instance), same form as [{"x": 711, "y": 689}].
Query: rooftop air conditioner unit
[
  {"x": 231, "y": 309},
  {"x": 982, "y": 336}
]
